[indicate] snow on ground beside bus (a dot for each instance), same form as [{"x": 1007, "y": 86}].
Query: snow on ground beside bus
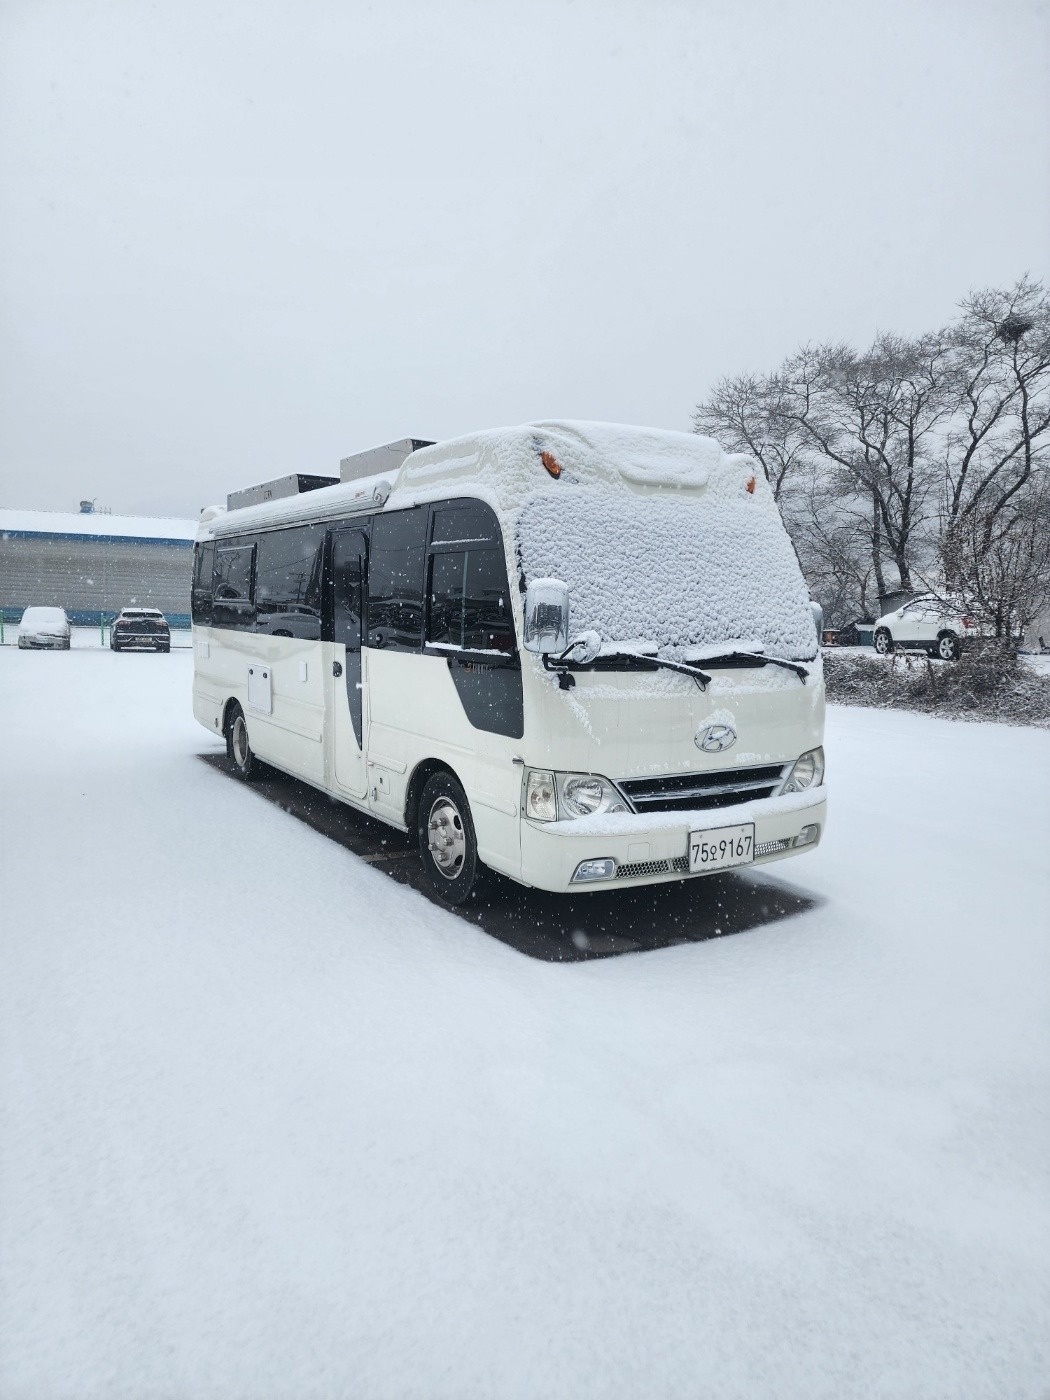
[{"x": 274, "y": 1125}]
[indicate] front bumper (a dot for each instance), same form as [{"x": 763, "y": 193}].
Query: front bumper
[
  {"x": 43, "y": 643},
  {"x": 653, "y": 849}
]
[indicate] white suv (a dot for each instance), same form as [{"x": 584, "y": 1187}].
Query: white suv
[{"x": 927, "y": 624}]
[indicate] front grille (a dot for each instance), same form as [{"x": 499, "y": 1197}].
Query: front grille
[
  {"x": 652, "y": 867},
  {"x": 771, "y": 848},
  {"x": 642, "y": 867},
  {"x": 694, "y": 792}
]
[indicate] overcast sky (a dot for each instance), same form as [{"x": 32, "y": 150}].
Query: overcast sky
[{"x": 240, "y": 240}]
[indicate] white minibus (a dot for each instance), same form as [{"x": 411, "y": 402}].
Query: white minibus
[{"x": 579, "y": 654}]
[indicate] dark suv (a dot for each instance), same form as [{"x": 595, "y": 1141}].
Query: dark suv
[{"x": 145, "y": 628}]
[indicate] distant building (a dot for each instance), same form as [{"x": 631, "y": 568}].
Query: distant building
[{"x": 95, "y": 564}]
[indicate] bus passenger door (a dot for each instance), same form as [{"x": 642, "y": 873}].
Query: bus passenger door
[{"x": 349, "y": 552}]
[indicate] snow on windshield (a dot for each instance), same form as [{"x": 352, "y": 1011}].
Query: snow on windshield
[{"x": 679, "y": 571}]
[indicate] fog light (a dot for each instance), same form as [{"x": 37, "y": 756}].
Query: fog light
[
  {"x": 807, "y": 836},
  {"x": 594, "y": 870}
]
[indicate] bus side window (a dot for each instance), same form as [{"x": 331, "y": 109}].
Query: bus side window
[
  {"x": 469, "y": 603},
  {"x": 233, "y": 580},
  {"x": 288, "y": 582},
  {"x": 200, "y": 595},
  {"x": 468, "y": 598},
  {"x": 397, "y": 553}
]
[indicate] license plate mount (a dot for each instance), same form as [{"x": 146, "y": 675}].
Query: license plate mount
[{"x": 722, "y": 848}]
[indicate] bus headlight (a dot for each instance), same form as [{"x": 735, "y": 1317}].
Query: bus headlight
[
  {"x": 806, "y": 772},
  {"x": 583, "y": 794},
  {"x": 550, "y": 796}
]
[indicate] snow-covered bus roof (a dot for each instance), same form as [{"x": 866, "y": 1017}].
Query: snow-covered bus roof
[
  {"x": 661, "y": 536},
  {"x": 505, "y": 466}
]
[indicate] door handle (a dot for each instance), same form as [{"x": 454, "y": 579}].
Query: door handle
[{"x": 337, "y": 668}]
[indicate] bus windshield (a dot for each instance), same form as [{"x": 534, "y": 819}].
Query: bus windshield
[{"x": 677, "y": 573}]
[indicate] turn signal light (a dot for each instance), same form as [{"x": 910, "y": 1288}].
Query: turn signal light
[{"x": 551, "y": 463}]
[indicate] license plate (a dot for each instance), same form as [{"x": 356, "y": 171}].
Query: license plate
[{"x": 721, "y": 848}]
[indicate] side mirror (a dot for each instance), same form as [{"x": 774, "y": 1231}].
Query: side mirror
[
  {"x": 546, "y": 616},
  {"x": 818, "y": 620}
]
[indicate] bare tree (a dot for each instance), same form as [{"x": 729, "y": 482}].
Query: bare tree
[
  {"x": 750, "y": 413},
  {"x": 923, "y": 458},
  {"x": 833, "y": 539},
  {"x": 1001, "y": 564},
  {"x": 875, "y": 417},
  {"x": 999, "y": 437}
]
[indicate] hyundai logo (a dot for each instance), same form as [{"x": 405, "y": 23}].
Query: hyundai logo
[{"x": 715, "y": 738}]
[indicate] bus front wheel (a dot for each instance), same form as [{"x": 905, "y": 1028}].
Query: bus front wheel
[{"x": 447, "y": 843}]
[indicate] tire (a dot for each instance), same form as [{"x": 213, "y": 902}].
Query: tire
[
  {"x": 239, "y": 751},
  {"x": 948, "y": 646},
  {"x": 113, "y": 646},
  {"x": 452, "y": 867},
  {"x": 165, "y": 648},
  {"x": 883, "y": 642}
]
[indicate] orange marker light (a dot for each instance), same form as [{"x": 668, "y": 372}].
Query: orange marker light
[
  {"x": 749, "y": 486},
  {"x": 551, "y": 463}
]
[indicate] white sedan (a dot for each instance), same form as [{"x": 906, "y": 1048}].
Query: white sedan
[
  {"x": 927, "y": 624},
  {"x": 44, "y": 629}
]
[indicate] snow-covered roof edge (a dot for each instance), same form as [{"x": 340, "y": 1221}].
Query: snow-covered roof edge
[
  {"x": 502, "y": 465},
  {"x": 162, "y": 529}
]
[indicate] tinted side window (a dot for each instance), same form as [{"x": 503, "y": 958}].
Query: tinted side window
[
  {"x": 469, "y": 603},
  {"x": 395, "y": 580},
  {"x": 200, "y": 595},
  {"x": 463, "y": 521},
  {"x": 288, "y": 582},
  {"x": 232, "y": 590}
]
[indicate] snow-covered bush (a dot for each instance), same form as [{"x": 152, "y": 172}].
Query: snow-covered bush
[{"x": 985, "y": 684}]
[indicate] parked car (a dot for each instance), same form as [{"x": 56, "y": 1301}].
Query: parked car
[
  {"x": 44, "y": 629},
  {"x": 929, "y": 624},
  {"x": 142, "y": 628}
]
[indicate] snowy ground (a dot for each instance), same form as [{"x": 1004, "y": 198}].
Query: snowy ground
[{"x": 273, "y": 1125}]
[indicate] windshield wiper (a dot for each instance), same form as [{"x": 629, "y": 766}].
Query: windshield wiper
[
  {"x": 648, "y": 659},
  {"x": 759, "y": 660}
]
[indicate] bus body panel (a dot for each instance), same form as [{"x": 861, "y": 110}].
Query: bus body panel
[
  {"x": 423, "y": 720},
  {"x": 551, "y": 852},
  {"x": 640, "y": 724}
]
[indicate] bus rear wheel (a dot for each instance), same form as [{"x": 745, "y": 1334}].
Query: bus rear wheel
[
  {"x": 447, "y": 843},
  {"x": 239, "y": 751}
]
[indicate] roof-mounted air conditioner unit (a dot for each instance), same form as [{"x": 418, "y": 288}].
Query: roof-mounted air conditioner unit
[
  {"x": 377, "y": 460},
  {"x": 293, "y": 485}
]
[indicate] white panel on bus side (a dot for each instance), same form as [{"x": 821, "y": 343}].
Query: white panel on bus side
[{"x": 260, "y": 689}]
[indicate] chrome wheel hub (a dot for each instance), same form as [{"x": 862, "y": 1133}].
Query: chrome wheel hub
[
  {"x": 240, "y": 741},
  {"x": 446, "y": 839}
]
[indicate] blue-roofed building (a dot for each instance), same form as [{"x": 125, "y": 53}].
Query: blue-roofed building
[{"x": 93, "y": 565}]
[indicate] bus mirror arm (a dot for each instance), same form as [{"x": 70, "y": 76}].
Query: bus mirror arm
[{"x": 566, "y": 680}]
